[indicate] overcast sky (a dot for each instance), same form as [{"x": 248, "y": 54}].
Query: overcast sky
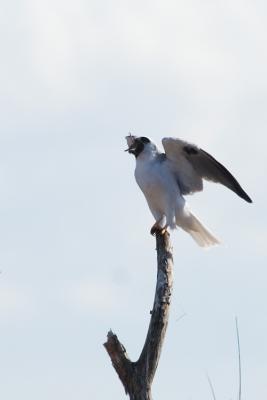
[{"x": 76, "y": 257}]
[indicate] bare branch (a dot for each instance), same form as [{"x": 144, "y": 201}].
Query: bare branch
[
  {"x": 137, "y": 377},
  {"x": 119, "y": 358},
  {"x": 239, "y": 360},
  {"x": 211, "y": 387}
]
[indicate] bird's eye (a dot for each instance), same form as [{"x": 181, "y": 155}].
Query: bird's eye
[{"x": 144, "y": 139}]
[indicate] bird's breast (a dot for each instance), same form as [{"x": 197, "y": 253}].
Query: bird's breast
[
  {"x": 154, "y": 179},
  {"x": 147, "y": 176}
]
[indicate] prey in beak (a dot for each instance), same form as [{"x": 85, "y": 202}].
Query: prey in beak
[{"x": 132, "y": 143}]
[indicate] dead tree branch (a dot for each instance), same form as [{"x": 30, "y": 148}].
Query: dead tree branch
[{"x": 137, "y": 377}]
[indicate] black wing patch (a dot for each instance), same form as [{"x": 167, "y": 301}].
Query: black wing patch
[
  {"x": 190, "y": 150},
  {"x": 212, "y": 170}
]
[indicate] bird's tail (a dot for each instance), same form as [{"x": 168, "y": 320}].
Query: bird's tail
[{"x": 199, "y": 233}]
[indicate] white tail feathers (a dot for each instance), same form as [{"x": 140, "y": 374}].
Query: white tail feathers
[{"x": 199, "y": 233}]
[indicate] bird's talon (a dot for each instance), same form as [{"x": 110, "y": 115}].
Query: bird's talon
[
  {"x": 153, "y": 231},
  {"x": 156, "y": 229}
]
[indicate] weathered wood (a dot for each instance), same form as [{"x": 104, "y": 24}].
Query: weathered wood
[{"x": 137, "y": 377}]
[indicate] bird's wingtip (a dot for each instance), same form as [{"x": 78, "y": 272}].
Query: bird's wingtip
[{"x": 247, "y": 198}]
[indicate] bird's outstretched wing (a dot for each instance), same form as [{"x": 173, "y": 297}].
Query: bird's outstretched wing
[{"x": 190, "y": 164}]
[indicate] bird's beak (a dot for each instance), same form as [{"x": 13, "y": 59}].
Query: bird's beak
[{"x": 131, "y": 148}]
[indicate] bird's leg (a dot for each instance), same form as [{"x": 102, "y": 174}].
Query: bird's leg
[
  {"x": 160, "y": 226},
  {"x": 157, "y": 229}
]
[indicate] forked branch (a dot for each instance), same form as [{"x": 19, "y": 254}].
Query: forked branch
[{"x": 137, "y": 377}]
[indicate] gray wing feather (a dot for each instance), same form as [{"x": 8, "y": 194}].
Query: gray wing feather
[{"x": 203, "y": 165}]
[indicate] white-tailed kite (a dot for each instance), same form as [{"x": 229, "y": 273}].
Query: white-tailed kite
[{"x": 165, "y": 178}]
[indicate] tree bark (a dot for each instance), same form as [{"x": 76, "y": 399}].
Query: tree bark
[{"x": 137, "y": 377}]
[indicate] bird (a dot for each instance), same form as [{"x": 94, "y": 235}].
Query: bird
[{"x": 166, "y": 177}]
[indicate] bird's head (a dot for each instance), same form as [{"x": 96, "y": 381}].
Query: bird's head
[{"x": 138, "y": 144}]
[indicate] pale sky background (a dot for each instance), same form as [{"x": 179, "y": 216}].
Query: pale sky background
[{"x": 76, "y": 257}]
